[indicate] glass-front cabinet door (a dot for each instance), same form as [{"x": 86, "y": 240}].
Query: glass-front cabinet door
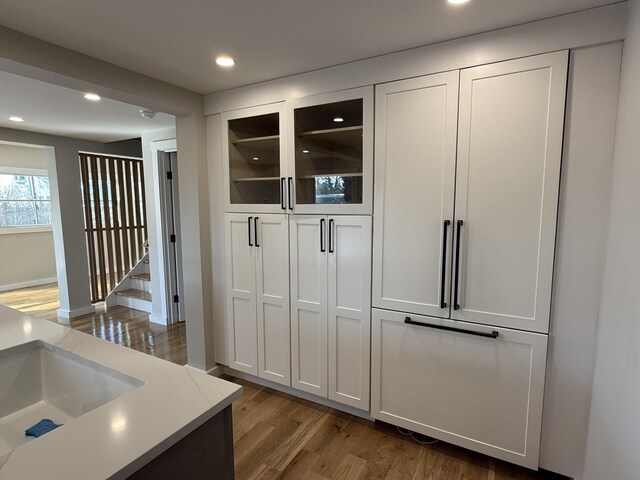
[
  {"x": 331, "y": 152},
  {"x": 253, "y": 155}
]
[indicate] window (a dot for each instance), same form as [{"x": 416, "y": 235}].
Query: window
[{"x": 25, "y": 200}]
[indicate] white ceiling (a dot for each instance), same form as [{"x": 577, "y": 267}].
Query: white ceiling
[
  {"x": 176, "y": 41},
  {"x": 56, "y": 110}
]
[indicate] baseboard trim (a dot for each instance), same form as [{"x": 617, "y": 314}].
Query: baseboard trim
[
  {"x": 298, "y": 393},
  {"x": 159, "y": 319},
  {"x": 30, "y": 283},
  {"x": 76, "y": 312}
]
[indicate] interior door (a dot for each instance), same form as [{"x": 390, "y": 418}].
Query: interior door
[
  {"x": 241, "y": 292},
  {"x": 308, "y": 249},
  {"x": 416, "y": 124},
  {"x": 508, "y": 175},
  {"x": 271, "y": 242},
  {"x": 349, "y": 305}
]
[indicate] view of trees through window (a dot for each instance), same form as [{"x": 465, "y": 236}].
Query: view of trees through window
[
  {"x": 331, "y": 189},
  {"x": 24, "y": 200}
]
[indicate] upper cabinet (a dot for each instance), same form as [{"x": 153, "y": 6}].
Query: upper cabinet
[
  {"x": 253, "y": 156},
  {"x": 331, "y": 153}
]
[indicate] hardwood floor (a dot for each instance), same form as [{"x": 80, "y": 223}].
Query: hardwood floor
[
  {"x": 278, "y": 436},
  {"x": 120, "y": 325}
]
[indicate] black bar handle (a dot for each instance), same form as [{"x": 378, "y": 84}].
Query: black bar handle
[
  {"x": 255, "y": 230},
  {"x": 290, "y": 181},
  {"x": 456, "y": 305},
  {"x": 283, "y": 186},
  {"x": 249, "y": 230},
  {"x": 443, "y": 271},
  {"x": 331, "y": 222},
  {"x": 492, "y": 334},
  {"x": 322, "y": 247}
]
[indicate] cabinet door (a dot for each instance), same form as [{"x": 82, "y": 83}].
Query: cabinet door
[
  {"x": 416, "y": 123},
  {"x": 241, "y": 292},
  {"x": 509, "y": 153},
  {"x": 272, "y": 284},
  {"x": 308, "y": 247},
  {"x": 254, "y": 153},
  {"x": 481, "y": 393},
  {"x": 349, "y": 297},
  {"x": 331, "y": 152}
]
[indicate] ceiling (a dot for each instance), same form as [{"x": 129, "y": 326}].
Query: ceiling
[
  {"x": 177, "y": 41},
  {"x": 56, "y": 110}
]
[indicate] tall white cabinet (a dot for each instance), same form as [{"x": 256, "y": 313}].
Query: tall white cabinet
[
  {"x": 258, "y": 295},
  {"x": 462, "y": 287},
  {"x": 331, "y": 306}
]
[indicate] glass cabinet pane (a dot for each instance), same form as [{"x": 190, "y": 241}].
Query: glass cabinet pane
[
  {"x": 254, "y": 159},
  {"x": 328, "y": 153}
]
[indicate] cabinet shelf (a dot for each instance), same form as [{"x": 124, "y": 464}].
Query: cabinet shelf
[
  {"x": 330, "y": 174},
  {"x": 250, "y": 140},
  {"x": 257, "y": 179}
]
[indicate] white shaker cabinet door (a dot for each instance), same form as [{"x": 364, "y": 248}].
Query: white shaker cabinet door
[
  {"x": 416, "y": 123},
  {"x": 471, "y": 385},
  {"x": 272, "y": 284},
  {"x": 508, "y": 174},
  {"x": 241, "y": 293},
  {"x": 349, "y": 302},
  {"x": 308, "y": 249}
]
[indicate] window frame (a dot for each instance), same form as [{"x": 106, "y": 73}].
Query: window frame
[{"x": 35, "y": 228}]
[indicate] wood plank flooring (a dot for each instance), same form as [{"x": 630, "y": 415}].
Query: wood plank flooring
[
  {"x": 120, "y": 325},
  {"x": 278, "y": 436}
]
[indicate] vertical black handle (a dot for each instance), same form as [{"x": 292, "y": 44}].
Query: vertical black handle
[
  {"x": 456, "y": 305},
  {"x": 443, "y": 271},
  {"x": 322, "y": 247},
  {"x": 283, "y": 186},
  {"x": 331, "y": 249},
  {"x": 290, "y": 181},
  {"x": 249, "y": 230},
  {"x": 255, "y": 230}
]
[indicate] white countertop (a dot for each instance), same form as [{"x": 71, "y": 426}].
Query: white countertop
[{"x": 114, "y": 440}]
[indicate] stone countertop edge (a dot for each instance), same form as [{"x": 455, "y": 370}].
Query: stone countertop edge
[{"x": 116, "y": 439}]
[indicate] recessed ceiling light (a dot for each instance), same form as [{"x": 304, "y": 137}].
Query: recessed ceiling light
[
  {"x": 457, "y": 2},
  {"x": 305, "y": 151},
  {"x": 225, "y": 61},
  {"x": 338, "y": 119},
  {"x": 16, "y": 119},
  {"x": 255, "y": 159},
  {"x": 92, "y": 96}
]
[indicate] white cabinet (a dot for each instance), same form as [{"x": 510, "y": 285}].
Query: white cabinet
[
  {"x": 258, "y": 295},
  {"x": 330, "y": 306},
  {"x": 254, "y": 159},
  {"x": 440, "y": 378},
  {"x": 415, "y": 180},
  {"x": 491, "y": 260},
  {"x": 508, "y": 175},
  {"x": 330, "y": 153}
]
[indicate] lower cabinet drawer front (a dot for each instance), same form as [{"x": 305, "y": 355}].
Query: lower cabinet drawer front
[{"x": 478, "y": 392}]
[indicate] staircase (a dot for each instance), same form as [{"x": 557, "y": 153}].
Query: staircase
[{"x": 134, "y": 291}]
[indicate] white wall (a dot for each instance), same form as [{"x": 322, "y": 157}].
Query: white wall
[
  {"x": 614, "y": 429},
  {"x": 27, "y": 255},
  {"x": 592, "y": 101}
]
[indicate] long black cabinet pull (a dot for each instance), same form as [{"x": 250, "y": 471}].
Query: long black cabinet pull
[
  {"x": 443, "y": 272},
  {"x": 283, "y": 186},
  {"x": 456, "y": 305},
  {"x": 255, "y": 230},
  {"x": 249, "y": 230},
  {"x": 492, "y": 334},
  {"x": 290, "y": 181},
  {"x": 322, "y": 247},
  {"x": 331, "y": 223}
]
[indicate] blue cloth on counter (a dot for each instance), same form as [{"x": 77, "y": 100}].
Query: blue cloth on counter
[{"x": 40, "y": 428}]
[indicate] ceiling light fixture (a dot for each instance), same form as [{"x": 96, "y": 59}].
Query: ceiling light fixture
[
  {"x": 255, "y": 159},
  {"x": 94, "y": 97},
  {"x": 457, "y": 2},
  {"x": 305, "y": 151},
  {"x": 338, "y": 119},
  {"x": 147, "y": 113},
  {"x": 16, "y": 119},
  {"x": 225, "y": 61}
]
